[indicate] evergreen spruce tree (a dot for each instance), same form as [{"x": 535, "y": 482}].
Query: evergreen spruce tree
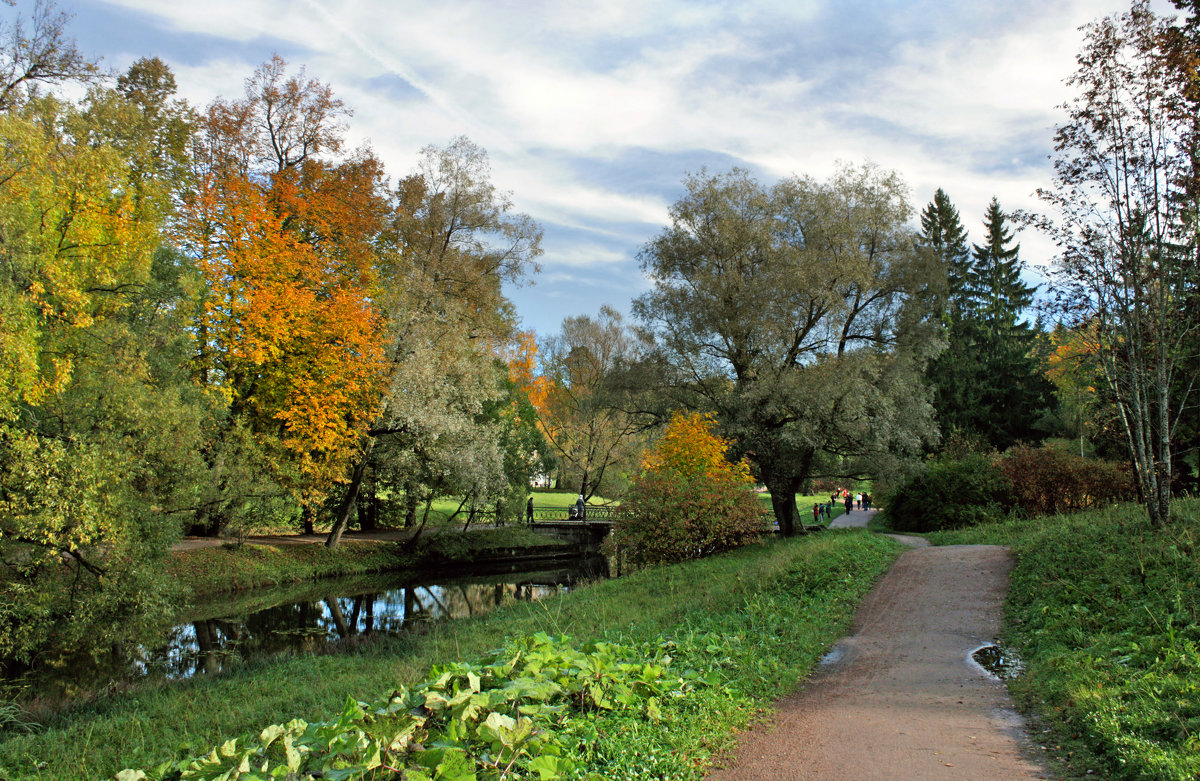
[
  {"x": 995, "y": 281},
  {"x": 989, "y": 383},
  {"x": 952, "y": 375},
  {"x": 942, "y": 231},
  {"x": 1014, "y": 390}
]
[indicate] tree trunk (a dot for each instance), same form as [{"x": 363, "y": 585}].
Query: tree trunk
[
  {"x": 783, "y": 483},
  {"x": 412, "y": 543},
  {"x": 410, "y": 506},
  {"x": 783, "y": 502},
  {"x": 342, "y": 520}
]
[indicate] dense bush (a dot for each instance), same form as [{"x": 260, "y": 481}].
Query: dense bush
[
  {"x": 950, "y": 495},
  {"x": 1046, "y": 481},
  {"x": 689, "y": 501}
]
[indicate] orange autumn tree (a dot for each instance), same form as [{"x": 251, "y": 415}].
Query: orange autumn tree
[
  {"x": 689, "y": 500},
  {"x": 283, "y": 228}
]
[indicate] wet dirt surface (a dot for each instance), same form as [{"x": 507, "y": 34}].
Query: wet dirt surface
[{"x": 900, "y": 699}]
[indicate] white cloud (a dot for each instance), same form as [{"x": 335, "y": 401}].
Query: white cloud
[{"x": 547, "y": 85}]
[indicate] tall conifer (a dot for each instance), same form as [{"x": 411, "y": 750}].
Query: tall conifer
[
  {"x": 989, "y": 382},
  {"x": 995, "y": 280},
  {"x": 942, "y": 231}
]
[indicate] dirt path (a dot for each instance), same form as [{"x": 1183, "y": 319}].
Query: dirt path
[{"x": 900, "y": 700}]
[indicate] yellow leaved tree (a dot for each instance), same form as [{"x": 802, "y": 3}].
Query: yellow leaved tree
[{"x": 689, "y": 500}]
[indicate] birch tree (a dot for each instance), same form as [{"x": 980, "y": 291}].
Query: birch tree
[{"x": 1125, "y": 223}]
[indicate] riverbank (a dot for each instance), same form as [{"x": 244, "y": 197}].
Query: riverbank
[
  {"x": 204, "y": 570},
  {"x": 775, "y": 607}
]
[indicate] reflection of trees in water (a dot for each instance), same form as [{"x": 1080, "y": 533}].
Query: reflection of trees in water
[
  {"x": 212, "y": 645},
  {"x": 310, "y": 626}
]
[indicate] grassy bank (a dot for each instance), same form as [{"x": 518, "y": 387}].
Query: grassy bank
[
  {"x": 220, "y": 569},
  {"x": 775, "y": 608},
  {"x": 1105, "y": 612}
]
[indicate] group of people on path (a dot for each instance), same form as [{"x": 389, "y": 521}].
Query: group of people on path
[{"x": 861, "y": 500}]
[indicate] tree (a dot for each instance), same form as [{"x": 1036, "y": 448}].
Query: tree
[
  {"x": 1125, "y": 224},
  {"x": 689, "y": 500},
  {"x": 39, "y": 54},
  {"x": 593, "y": 436},
  {"x": 989, "y": 383},
  {"x": 799, "y": 314},
  {"x": 100, "y": 423},
  {"x": 953, "y": 374},
  {"x": 1013, "y": 392},
  {"x": 451, "y": 242},
  {"x": 282, "y": 229},
  {"x": 943, "y": 233},
  {"x": 994, "y": 281}
]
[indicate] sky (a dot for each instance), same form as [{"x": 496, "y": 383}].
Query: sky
[{"x": 593, "y": 112}]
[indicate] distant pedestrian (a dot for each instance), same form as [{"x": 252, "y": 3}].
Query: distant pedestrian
[
  {"x": 529, "y": 511},
  {"x": 866, "y": 501},
  {"x": 816, "y": 513},
  {"x": 849, "y": 503}
]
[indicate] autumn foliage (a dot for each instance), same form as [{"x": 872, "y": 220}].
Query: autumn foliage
[
  {"x": 283, "y": 231},
  {"x": 689, "y": 500},
  {"x": 1046, "y": 481}
]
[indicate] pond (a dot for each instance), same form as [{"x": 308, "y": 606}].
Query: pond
[{"x": 318, "y": 617}]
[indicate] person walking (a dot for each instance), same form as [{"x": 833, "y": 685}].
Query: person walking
[{"x": 849, "y": 503}]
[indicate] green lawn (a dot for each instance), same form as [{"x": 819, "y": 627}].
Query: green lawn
[{"x": 804, "y": 505}]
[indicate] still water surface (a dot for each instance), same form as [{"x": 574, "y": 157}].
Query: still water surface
[{"x": 323, "y": 616}]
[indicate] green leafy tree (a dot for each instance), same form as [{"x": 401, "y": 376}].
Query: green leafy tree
[
  {"x": 452, "y": 241},
  {"x": 595, "y": 438},
  {"x": 799, "y": 313}
]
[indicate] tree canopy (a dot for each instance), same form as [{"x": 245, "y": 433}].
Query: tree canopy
[{"x": 796, "y": 312}]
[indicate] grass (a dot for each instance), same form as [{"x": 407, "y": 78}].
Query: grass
[
  {"x": 1105, "y": 611},
  {"x": 776, "y": 607},
  {"x": 804, "y": 506}
]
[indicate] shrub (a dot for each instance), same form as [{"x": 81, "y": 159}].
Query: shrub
[
  {"x": 688, "y": 501},
  {"x": 1046, "y": 481},
  {"x": 950, "y": 495}
]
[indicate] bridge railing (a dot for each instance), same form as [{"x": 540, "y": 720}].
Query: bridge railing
[{"x": 591, "y": 513}]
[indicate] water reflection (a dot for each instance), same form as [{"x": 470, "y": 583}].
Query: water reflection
[{"x": 316, "y": 617}]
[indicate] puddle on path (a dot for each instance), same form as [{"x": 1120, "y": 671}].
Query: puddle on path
[{"x": 997, "y": 661}]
